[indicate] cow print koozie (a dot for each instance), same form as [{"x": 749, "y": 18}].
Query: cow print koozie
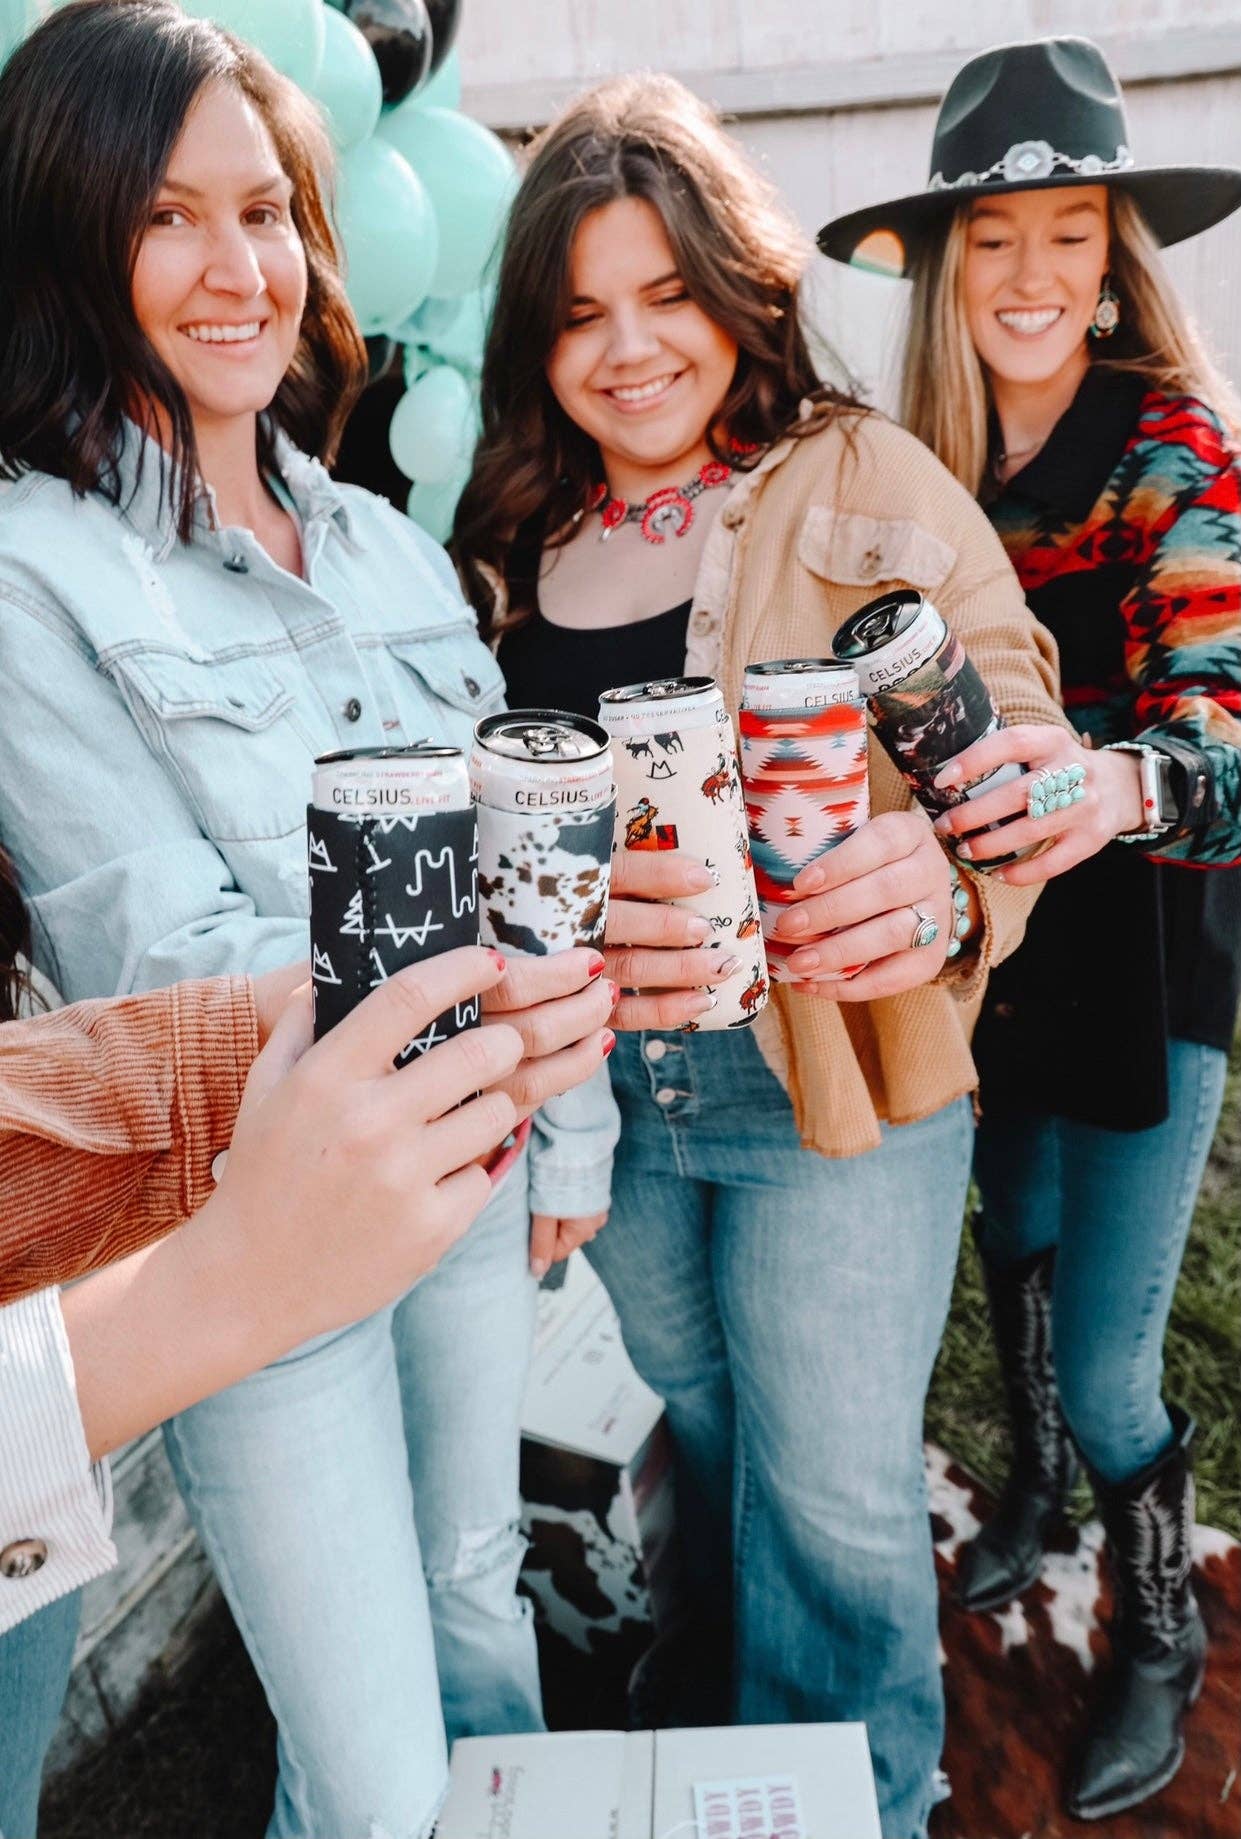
[{"x": 387, "y": 892}]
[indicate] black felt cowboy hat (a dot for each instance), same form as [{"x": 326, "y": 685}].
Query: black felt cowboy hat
[{"x": 1024, "y": 118}]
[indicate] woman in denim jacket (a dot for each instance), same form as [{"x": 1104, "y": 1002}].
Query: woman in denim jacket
[{"x": 190, "y": 611}]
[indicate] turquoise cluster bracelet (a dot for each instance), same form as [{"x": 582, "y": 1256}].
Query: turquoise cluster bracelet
[{"x": 960, "y": 909}]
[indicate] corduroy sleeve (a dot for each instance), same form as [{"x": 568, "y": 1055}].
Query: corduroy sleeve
[{"x": 110, "y": 1116}]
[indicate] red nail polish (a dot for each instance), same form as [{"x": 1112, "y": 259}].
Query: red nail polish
[
  {"x": 497, "y": 958},
  {"x": 609, "y": 1042},
  {"x": 595, "y": 967},
  {"x": 615, "y": 989}
]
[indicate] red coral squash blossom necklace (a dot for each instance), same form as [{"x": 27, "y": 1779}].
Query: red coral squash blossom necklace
[{"x": 667, "y": 512}]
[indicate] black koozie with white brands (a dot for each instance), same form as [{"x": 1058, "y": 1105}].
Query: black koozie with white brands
[{"x": 393, "y": 877}]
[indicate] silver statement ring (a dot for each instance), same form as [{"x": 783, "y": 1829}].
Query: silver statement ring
[
  {"x": 1054, "y": 788},
  {"x": 926, "y": 931}
]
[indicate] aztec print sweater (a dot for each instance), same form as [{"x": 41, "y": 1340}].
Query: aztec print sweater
[{"x": 1125, "y": 531}]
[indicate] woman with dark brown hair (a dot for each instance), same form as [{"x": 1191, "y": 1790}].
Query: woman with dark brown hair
[
  {"x": 663, "y": 485},
  {"x": 190, "y": 611}
]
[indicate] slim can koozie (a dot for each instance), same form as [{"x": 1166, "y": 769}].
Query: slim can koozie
[
  {"x": 678, "y": 786},
  {"x": 392, "y": 851},
  {"x": 803, "y": 764},
  {"x": 546, "y": 806},
  {"x": 926, "y": 699}
]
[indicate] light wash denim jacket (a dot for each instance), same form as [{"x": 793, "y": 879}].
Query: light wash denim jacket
[{"x": 160, "y": 706}]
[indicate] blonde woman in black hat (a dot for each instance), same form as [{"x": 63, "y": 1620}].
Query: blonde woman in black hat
[{"x": 1052, "y": 368}]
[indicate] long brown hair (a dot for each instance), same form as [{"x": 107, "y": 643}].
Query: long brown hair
[
  {"x": 91, "y": 107},
  {"x": 945, "y": 397},
  {"x": 740, "y": 257}
]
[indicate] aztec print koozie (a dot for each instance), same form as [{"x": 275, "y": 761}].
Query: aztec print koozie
[
  {"x": 543, "y": 878},
  {"x": 806, "y": 790},
  {"x": 387, "y": 892}
]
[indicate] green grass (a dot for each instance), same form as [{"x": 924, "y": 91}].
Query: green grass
[{"x": 1202, "y": 1353}]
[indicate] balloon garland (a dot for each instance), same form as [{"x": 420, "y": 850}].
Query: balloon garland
[{"x": 422, "y": 196}]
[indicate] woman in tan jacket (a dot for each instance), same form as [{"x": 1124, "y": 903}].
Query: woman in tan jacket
[{"x": 787, "y": 1199}]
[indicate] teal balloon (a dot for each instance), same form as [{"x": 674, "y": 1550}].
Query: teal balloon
[
  {"x": 388, "y": 228},
  {"x": 452, "y": 331},
  {"x": 349, "y": 85},
  {"x": 17, "y": 18},
  {"x": 432, "y": 506},
  {"x": 434, "y": 427},
  {"x": 443, "y": 90},
  {"x": 470, "y": 176},
  {"x": 288, "y": 32}
]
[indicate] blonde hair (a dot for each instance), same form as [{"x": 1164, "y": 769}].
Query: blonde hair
[{"x": 945, "y": 398}]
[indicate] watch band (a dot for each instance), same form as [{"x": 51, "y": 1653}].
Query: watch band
[{"x": 1160, "y": 808}]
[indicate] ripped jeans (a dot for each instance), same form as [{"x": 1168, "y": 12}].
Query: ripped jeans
[{"x": 359, "y": 1501}]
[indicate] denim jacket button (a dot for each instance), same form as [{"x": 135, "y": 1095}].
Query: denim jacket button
[
  {"x": 665, "y": 1096},
  {"x": 655, "y": 1050},
  {"x": 23, "y": 1558},
  {"x": 237, "y": 564},
  {"x": 353, "y": 710}
]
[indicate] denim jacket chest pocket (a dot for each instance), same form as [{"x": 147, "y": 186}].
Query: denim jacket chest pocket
[
  {"x": 226, "y": 730},
  {"x": 445, "y": 681}
]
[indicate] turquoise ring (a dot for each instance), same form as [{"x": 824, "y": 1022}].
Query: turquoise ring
[
  {"x": 1055, "y": 788},
  {"x": 926, "y": 931}
]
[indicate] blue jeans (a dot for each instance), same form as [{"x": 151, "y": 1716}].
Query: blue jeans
[
  {"x": 789, "y": 1308},
  {"x": 34, "y": 1670},
  {"x": 359, "y": 1501},
  {"x": 1118, "y": 1205}
]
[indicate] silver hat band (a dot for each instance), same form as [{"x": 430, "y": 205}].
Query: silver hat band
[{"x": 1035, "y": 159}]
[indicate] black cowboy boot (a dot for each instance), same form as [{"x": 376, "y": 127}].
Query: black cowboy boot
[
  {"x": 1134, "y": 1744},
  {"x": 1006, "y": 1556}
]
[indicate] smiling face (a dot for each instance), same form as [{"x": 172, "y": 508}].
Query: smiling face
[
  {"x": 638, "y": 366},
  {"x": 1034, "y": 264},
  {"x": 220, "y": 281}
]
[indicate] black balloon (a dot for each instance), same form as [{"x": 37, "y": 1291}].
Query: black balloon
[
  {"x": 445, "y": 17},
  {"x": 399, "y": 33}
]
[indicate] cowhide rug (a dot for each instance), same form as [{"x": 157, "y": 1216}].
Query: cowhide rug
[{"x": 1018, "y": 1682}]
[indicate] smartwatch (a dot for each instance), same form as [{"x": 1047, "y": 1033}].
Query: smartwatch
[{"x": 1161, "y": 809}]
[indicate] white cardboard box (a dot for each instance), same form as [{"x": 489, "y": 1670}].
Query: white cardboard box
[
  {"x": 641, "y": 1784},
  {"x": 596, "y": 1471}
]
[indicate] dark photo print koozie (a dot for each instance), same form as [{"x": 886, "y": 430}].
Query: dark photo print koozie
[{"x": 387, "y": 892}]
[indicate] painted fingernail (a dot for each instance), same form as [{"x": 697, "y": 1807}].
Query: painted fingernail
[
  {"x": 793, "y": 922},
  {"x": 609, "y": 1042},
  {"x": 943, "y": 825},
  {"x": 805, "y": 962},
  {"x": 810, "y": 881},
  {"x": 729, "y": 967},
  {"x": 964, "y": 852},
  {"x": 595, "y": 968},
  {"x": 700, "y": 879},
  {"x": 701, "y": 1001},
  {"x": 497, "y": 958},
  {"x": 539, "y": 1267},
  {"x": 699, "y": 929},
  {"x": 615, "y": 989},
  {"x": 948, "y": 775}
]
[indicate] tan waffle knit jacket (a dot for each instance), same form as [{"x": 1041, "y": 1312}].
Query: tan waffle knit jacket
[{"x": 821, "y": 525}]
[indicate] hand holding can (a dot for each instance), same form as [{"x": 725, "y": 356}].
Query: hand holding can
[
  {"x": 926, "y": 699},
  {"x": 803, "y": 762},
  {"x": 391, "y": 849},
  {"x": 678, "y": 786}
]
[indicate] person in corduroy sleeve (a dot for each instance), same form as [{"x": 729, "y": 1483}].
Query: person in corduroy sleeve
[{"x": 1055, "y": 372}]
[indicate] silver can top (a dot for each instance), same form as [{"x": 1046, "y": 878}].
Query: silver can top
[
  {"x": 542, "y": 736},
  {"x": 795, "y": 667},
  {"x": 417, "y": 750},
  {"x": 663, "y": 689}
]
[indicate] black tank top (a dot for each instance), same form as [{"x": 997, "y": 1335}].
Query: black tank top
[{"x": 560, "y": 667}]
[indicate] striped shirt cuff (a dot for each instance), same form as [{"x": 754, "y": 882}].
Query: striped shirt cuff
[{"x": 55, "y": 1506}]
